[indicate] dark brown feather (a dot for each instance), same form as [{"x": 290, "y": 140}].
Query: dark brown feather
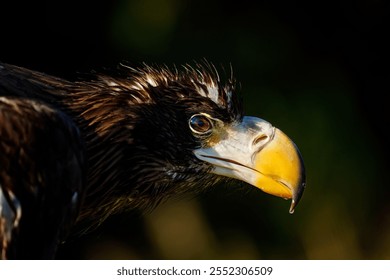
[{"x": 41, "y": 177}]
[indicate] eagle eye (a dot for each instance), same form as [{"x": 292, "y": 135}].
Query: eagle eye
[{"x": 200, "y": 124}]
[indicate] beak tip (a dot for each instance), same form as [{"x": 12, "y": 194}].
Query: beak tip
[{"x": 297, "y": 197}]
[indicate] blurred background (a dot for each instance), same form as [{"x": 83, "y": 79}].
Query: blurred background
[{"x": 318, "y": 70}]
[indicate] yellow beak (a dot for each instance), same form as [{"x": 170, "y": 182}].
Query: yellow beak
[
  {"x": 261, "y": 155},
  {"x": 281, "y": 169}
]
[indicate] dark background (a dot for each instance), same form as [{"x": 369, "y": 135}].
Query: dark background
[{"x": 318, "y": 70}]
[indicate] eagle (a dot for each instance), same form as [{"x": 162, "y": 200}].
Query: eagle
[{"x": 76, "y": 152}]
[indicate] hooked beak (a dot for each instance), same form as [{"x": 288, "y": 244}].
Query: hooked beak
[{"x": 255, "y": 152}]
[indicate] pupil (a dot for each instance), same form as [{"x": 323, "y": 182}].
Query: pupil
[{"x": 200, "y": 123}]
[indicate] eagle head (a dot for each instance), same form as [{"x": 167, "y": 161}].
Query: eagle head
[{"x": 186, "y": 131}]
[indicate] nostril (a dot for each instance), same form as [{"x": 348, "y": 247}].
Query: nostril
[{"x": 259, "y": 139}]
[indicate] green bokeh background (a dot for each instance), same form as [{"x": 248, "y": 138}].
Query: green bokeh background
[{"x": 318, "y": 71}]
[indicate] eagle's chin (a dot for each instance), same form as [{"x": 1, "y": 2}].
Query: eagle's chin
[{"x": 255, "y": 152}]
